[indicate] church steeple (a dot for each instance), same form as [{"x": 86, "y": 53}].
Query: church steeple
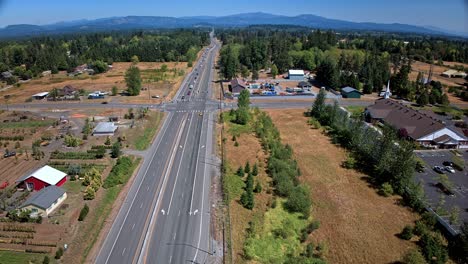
[{"x": 387, "y": 91}]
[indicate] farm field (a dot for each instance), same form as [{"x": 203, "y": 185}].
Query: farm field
[
  {"x": 154, "y": 81},
  {"x": 62, "y": 226},
  {"x": 358, "y": 225}
]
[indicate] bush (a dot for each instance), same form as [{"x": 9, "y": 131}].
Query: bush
[
  {"x": 116, "y": 152},
  {"x": 258, "y": 188},
  {"x": 90, "y": 193},
  {"x": 413, "y": 256},
  {"x": 420, "y": 228},
  {"x": 433, "y": 248},
  {"x": 299, "y": 201},
  {"x": 240, "y": 171},
  {"x": 59, "y": 253},
  {"x": 236, "y": 144},
  {"x": 406, "y": 233},
  {"x": 120, "y": 172},
  {"x": 83, "y": 213},
  {"x": 349, "y": 163},
  {"x": 46, "y": 260},
  {"x": 386, "y": 189}
]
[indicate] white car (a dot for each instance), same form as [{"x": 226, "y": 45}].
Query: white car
[{"x": 449, "y": 169}]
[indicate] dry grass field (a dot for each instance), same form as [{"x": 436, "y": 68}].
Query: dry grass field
[
  {"x": 105, "y": 82},
  {"x": 357, "y": 225}
]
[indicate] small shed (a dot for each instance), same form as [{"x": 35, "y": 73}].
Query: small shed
[
  {"x": 45, "y": 201},
  {"x": 296, "y": 75},
  {"x": 42, "y": 178},
  {"x": 105, "y": 129},
  {"x": 304, "y": 85},
  {"x": 40, "y": 96},
  {"x": 350, "y": 92}
]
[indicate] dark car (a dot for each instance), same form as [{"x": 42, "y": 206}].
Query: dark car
[
  {"x": 105, "y": 102},
  {"x": 9, "y": 154},
  {"x": 183, "y": 97},
  {"x": 447, "y": 163},
  {"x": 439, "y": 169}
]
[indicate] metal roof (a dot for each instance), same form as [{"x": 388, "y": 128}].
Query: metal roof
[
  {"x": 45, "y": 197},
  {"x": 42, "y": 94},
  {"x": 105, "y": 127},
  {"x": 348, "y": 89},
  {"x": 46, "y": 174},
  {"x": 296, "y": 72}
]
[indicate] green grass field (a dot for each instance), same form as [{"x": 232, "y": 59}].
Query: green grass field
[{"x": 11, "y": 257}]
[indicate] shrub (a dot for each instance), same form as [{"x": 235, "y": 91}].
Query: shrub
[
  {"x": 420, "y": 228},
  {"x": 59, "y": 253},
  {"x": 90, "y": 193},
  {"x": 386, "y": 189},
  {"x": 413, "y": 256},
  {"x": 120, "y": 172},
  {"x": 234, "y": 138},
  {"x": 349, "y": 163},
  {"x": 83, "y": 213},
  {"x": 299, "y": 201},
  {"x": 240, "y": 171},
  {"x": 236, "y": 144},
  {"x": 406, "y": 233},
  {"x": 116, "y": 152},
  {"x": 433, "y": 248},
  {"x": 46, "y": 260},
  {"x": 258, "y": 188}
]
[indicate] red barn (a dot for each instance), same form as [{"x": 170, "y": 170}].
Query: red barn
[{"x": 43, "y": 177}]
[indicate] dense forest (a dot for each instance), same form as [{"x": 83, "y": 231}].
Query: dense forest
[
  {"x": 68, "y": 51},
  {"x": 365, "y": 62}
]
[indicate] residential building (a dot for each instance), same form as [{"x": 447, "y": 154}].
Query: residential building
[
  {"x": 296, "y": 75},
  {"x": 454, "y": 74},
  {"x": 41, "y": 178},
  {"x": 45, "y": 201},
  {"x": 105, "y": 129},
  {"x": 350, "y": 92},
  {"x": 237, "y": 85},
  {"x": 419, "y": 126}
]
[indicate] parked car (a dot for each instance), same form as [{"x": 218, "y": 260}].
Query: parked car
[
  {"x": 450, "y": 169},
  {"x": 9, "y": 154},
  {"x": 447, "y": 163},
  {"x": 439, "y": 169},
  {"x": 155, "y": 96}
]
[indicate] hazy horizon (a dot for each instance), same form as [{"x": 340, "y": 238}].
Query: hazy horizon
[{"x": 450, "y": 15}]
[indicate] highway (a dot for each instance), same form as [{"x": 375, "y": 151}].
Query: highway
[{"x": 166, "y": 215}]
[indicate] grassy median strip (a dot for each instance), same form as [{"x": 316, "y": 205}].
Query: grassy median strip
[{"x": 105, "y": 206}]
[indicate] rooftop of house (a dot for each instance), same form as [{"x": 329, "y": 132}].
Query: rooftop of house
[
  {"x": 238, "y": 81},
  {"x": 349, "y": 89},
  {"x": 45, "y": 197},
  {"x": 296, "y": 72}
]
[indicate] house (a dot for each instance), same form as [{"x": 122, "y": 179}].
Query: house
[
  {"x": 350, "y": 92},
  {"x": 237, "y": 85},
  {"x": 40, "y": 96},
  {"x": 454, "y": 74},
  {"x": 67, "y": 91},
  {"x": 304, "y": 85},
  {"x": 418, "y": 126},
  {"x": 43, "y": 177},
  {"x": 105, "y": 129},
  {"x": 296, "y": 75},
  {"x": 45, "y": 201}
]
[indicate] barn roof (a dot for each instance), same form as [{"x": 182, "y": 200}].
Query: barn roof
[
  {"x": 296, "y": 72},
  {"x": 46, "y": 174}
]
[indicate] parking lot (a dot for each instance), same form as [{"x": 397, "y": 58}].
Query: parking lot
[{"x": 459, "y": 182}]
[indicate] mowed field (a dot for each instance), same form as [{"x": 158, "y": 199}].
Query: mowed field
[
  {"x": 105, "y": 81},
  {"x": 357, "y": 225}
]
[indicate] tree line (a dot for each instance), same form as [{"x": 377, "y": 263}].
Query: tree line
[{"x": 68, "y": 51}]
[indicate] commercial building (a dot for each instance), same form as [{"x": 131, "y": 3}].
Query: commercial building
[
  {"x": 415, "y": 125},
  {"x": 296, "y": 75}
]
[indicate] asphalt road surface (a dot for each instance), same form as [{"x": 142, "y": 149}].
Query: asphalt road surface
[{"x": 166, "y": 215}]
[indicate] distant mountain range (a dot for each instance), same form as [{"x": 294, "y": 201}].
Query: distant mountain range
[{"x": 238, "y": 20}]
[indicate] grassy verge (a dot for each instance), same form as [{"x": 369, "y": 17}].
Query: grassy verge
[
  {"x": 9, "y": 257},
  {"x": 143, "y": 140},
  {"x": 26, "y": 124},
  {"x": 355, "y": 110},
  {"x": 104, "y": 208}
]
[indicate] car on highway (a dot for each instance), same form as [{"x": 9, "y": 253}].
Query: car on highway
[
  {"x": 439, "y": 169},
  {"x": 155, "y": 96},
  {"x": 449, "y": 169}
]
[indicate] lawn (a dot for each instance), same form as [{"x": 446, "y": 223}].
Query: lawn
[
  {"x": 357, "y": 225},
  {"x": 356, "y": 110},
  {"x": 27, "y": 124},
  {"x": 144, "y": 135},
  {"x": 11, "y": 257}
]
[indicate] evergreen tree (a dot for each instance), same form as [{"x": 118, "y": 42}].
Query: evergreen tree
[
  {"x": 247, "y": 167},
  {"x": 274, "y": 70},
  {"x": 255, "y": 170},
  {"x": 133, "y": 80},
  {"x": 116, "y": 152},
  {"x": 240, "y": 171}
]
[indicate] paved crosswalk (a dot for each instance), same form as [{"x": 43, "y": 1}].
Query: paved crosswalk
[{"x": 192, "y": 111}]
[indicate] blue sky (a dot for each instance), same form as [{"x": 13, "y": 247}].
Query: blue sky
[{"x": 451, "y": 14}]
